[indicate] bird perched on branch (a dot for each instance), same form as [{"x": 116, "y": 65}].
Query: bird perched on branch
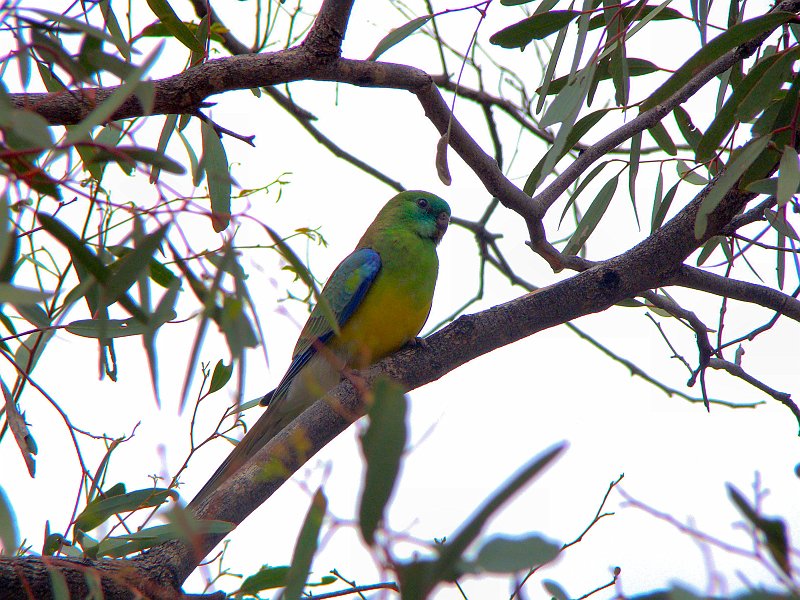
[{"x": 379, "y": 297}]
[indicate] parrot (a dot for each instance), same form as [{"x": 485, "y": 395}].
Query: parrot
[{"x": 380, "y": 297}]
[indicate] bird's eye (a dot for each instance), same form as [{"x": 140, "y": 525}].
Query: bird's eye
[{"x": 422, "y": 203}]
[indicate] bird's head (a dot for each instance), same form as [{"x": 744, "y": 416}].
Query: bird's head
[{"x": 424, "y": 213}]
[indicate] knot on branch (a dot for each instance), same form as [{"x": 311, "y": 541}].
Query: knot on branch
[{"x": 610, "y": 281}]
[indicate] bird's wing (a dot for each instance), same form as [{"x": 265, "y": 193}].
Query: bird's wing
[{"x": 343, "y": 294}]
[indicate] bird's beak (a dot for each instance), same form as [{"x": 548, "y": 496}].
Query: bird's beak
[{"x": 442, "y": 221}]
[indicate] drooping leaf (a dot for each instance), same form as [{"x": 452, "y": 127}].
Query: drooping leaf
[
  {"x": 103, "y": 111},
  {"x": 551, "y": 68},
  {"x": 9, "y": 534},
  {"x": 383, "y": 444},
  {"x": 574, "y": 135},
  {"x": 633, "y": 171},
  {"x": 455, "y": 547},
  {"x": 730, "y": 39},
  {"x": 789, "y": 179},
  {"x": 777, "y": 220},
  {"x": 773, "y": 531},
  {"x": 748, "y": 93},
  {"x": 690, "y": 133},
  {"x": 176, "y": 27},
  {"x": 689, "y": 175},
  {"x": 114, "y": 30},
  {"x": 578, "y": 190},
  {"x": 128, "y": 156},
  {"x": 663, "y": 139},
  {"x": 166, "y": 132},
  {"x": 442, "y": 168},
  {"x": 555, "y": 590},
  {"x": 734, "y": 170},
  {"x": 396, "y": 36},
  {"x": 214, "y": 163},
  {"x": 306, "y": 547},
  {"x": 592, "y": 217}
]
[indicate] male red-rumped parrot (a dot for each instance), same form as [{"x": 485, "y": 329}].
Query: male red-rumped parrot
[{"x": 380, "y": 296}]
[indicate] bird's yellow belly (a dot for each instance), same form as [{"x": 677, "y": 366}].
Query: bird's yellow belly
[{"x": 388, "y": 319}]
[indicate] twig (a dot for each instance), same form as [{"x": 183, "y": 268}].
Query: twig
[{"x": 737, "y": 371}]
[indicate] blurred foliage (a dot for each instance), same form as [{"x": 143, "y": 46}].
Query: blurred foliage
[{"x": 79, "y": 257}]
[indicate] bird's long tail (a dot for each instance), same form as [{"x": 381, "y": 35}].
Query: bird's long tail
[{"x": 266, "y": 428}]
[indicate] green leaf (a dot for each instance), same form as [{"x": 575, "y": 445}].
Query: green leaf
[
  {"x": 662, "y": 138},
  {"x": 306, "y": 547},
  {"x": 565, "y": 133},
  {"x": 633, "y": 171},
  {"x": 574, "y": 135},
  {"x": 758, "y": 96},
  {"x": 166, "y": 133},
  {"x": 773, "y": 530},
  {"x": 733, "y": 37},
  {"x": 74, "y": 24},
  {"x": 158, "y": 272},
  {"x": 221, "y": 375},
  {"x": 21, "y": 296},
  {"x": 27, "y": 359},
  {"x": 28, "y": 130},
  {"x": 455, "y": 547},
  {"x": 582, "y": 186},
  {"x": 124, "y": 545},
  {"x": 767, "y": 186},
  {"x": 690, "y": 133},
  {"x": 396, "y": 36},
  {"x": 9, "y": 534},
  {"x": 734, "y": 170},
  {"x": 537, "y": 27},
  {"x": 58, "y": 583},
  {"x": 305, "y": 276},
  {"x": 99, "y": 510},
  {"x": 592, "y": 217},
  {"x": 661, "y": 208},
  {"x": 778, "y": 222},
  {"x": 114, "y": 328},
  {"x": 551, "y": 68},
  {"x": 114, "y": 30},
  {"x": 127, "y": 270},
  {"x": 502, "y": 554},
  {"x": 103, "y": 111},
  {"x": 128, "y": 156},
  {"x": 629, "y": 14},
  {"x": 236, "y": 326},
  {"x": 176, "y": 27},
  {"x": 789, "y": 178},
  {"x": 267, "y": 578},
  {"x": 215, "y": 164},
  {"x": 383, "y": 444},
  {"x": 749, "y": 87},
  {"x": 555, "y": 590},
  {"x": 780, "y": 261},
  {"x": 564, "y": 105},
  {"x": 708, "y": 249},
  {"x": 689, "y": 175}
]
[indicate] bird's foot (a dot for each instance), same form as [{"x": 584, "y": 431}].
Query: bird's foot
[{"x": 417, "y": 342}]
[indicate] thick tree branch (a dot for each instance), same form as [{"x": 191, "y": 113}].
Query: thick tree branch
[
  {"x": 754, "y": 293},
  {"x": 650, "y": 264}
]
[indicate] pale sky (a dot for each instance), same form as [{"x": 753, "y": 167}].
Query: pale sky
[{"x": 477, "y": 425}]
